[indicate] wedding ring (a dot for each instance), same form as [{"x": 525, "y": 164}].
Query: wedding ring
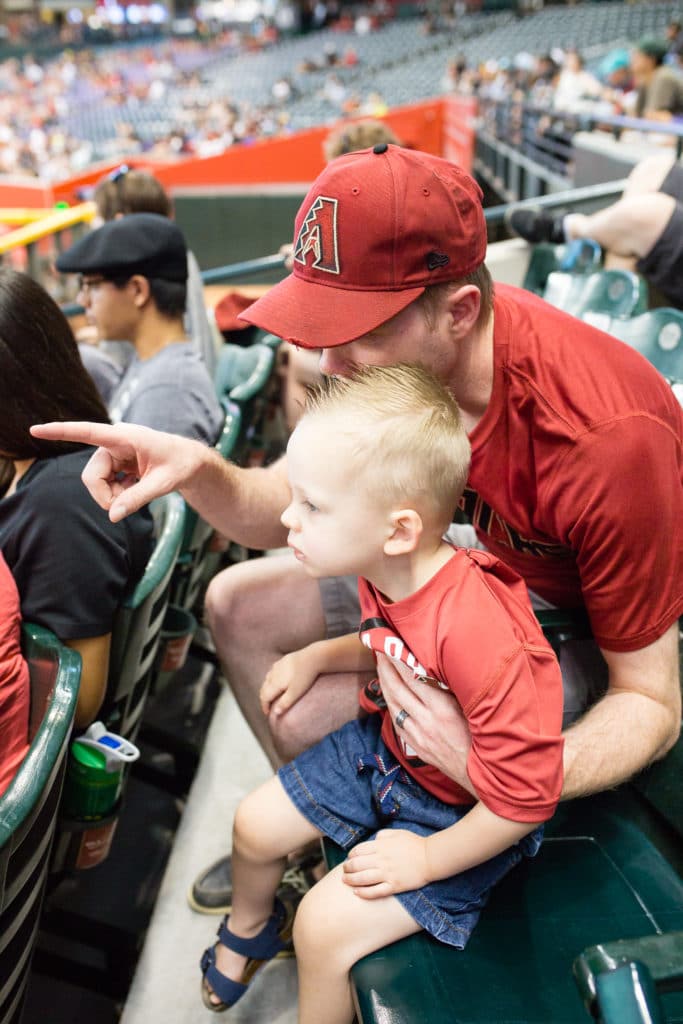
[{"x": 400, "y": 718}]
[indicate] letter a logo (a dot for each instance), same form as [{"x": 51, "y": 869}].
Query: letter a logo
[{"x": 318, "y": 235}]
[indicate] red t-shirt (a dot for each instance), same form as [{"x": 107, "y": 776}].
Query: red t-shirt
[
  {"x": 14, "y": 682},
  {"x": 577, "y": 472},
  {"x": 471, "y": 630}
]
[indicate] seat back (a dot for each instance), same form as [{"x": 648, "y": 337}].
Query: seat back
[
  {"x": 617, "y": 293},
  {"x": 135, "y": 636},
  {"x": 580, "y": 257},
  {"x": 657, "y": 335},
  {"x": 192, "y": 564},
  {"x": 28, "y": 810},
  {"x": 243, "y": 375}
]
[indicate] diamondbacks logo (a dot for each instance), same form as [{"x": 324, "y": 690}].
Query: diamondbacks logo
[{"x": 318, "y": 235}]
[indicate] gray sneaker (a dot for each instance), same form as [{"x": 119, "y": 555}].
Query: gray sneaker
[{"x": 211, "y": 891}]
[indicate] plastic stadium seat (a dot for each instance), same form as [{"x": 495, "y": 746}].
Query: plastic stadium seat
[
  {"x": 581, "y": 257},
  {"x": 28, "y": 810},
  {"x": 192, "y": 561},
  {"x": 137, "y": 627},
  {"x": 617, "y": 293},
  {"x": 243, "y": 375},
  {"x": 657, "y": 335},
  {"x": 620, "y": 982}
]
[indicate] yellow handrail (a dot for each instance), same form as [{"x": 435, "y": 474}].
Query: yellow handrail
[
  {"x": 50, "y": 224},
  {"x": 14, "y": 215}
]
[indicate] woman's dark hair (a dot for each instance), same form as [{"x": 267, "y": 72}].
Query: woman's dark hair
[{"x": 42, "y": 377}]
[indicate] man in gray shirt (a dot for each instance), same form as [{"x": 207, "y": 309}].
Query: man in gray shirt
[{"x": 134, "y": 286}]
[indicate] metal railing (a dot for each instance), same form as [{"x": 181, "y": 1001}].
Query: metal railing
[
  {"x": 36, "y": 244},
  {"x": 523, "y": 151}
]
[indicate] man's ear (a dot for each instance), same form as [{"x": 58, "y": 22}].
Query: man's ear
[
  {"x": 463, "y": 305},
  {"x": 406, "y": 527},
  {"x": 140, "y": 290}
]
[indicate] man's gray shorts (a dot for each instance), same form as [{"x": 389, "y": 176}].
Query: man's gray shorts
[{"x": 584, "y": 671}]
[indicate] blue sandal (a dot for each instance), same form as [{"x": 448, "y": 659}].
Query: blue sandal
[{"x": 274, "y": 940}]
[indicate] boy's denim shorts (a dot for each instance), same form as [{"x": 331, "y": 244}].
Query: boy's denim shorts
[{"x": 349, "y": 786}]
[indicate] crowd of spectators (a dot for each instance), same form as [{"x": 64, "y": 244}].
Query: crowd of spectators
[
  {"x": 644, "y": 80},
  {"x": 39, "y": 98}
]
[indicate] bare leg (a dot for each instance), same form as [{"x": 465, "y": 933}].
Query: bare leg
[
  {"x": 257, "y": 611},
  {"x": 628, "y": 228},
  {"x": 333, "y": 930},
  {"x": 648, "y": 174},
  {"x": 259, "y": 856}
]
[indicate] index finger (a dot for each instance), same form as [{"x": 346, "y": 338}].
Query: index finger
[{"x": 97, "y": 434}]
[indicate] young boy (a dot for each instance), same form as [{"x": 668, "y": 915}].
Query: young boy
[{"x": 376, "y": 467}]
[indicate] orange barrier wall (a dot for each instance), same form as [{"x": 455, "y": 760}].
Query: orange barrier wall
[
  {"x": 443, "y": 126},
  {"x": 289, "y": 159},
  {"x": 459, "y": 113}
]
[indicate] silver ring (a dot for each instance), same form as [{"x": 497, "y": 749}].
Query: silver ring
[{"x": 400, "y": 718}]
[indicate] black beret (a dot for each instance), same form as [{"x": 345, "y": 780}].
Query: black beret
[{"x": 139, "y": 243}]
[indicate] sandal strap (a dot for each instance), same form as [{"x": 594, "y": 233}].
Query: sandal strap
[
  {"x": 263, "y": 946},
  {"x": 227, "y": 990}
]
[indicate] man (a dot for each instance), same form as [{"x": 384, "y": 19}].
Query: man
[
  {"x": 133, "y": 286},
  {"x": 659, "y": 87},
  {"x": 575, "y": 478}
]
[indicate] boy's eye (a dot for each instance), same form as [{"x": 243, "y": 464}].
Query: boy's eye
[{"x": 309, "y": 505}]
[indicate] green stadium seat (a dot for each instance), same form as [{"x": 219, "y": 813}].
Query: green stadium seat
[
  {"x": 243, "y": 375},
  {"x": 581, "y": 257},
  {"x": 620, "y": 982},
  {"x": 617, "y": 293},
  {"x": 28, "y": 810},
  {"x": 657, "y": 335},
  {"x": 192, "y": 563}
]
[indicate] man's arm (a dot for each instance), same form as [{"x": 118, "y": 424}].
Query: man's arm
[
  {"x": 134, "y": 464},
  {"x": 636, "y": 722}
]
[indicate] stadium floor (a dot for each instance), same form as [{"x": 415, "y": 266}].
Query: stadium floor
[{"x": 159, "y": 847}]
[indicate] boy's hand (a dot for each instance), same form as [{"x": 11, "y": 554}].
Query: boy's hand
[
  {"x": 395, "y": 861},
  {"x": 288, "y": 680}
]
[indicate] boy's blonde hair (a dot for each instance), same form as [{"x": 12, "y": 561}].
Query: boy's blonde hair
[{"x": 408, "y": 437}]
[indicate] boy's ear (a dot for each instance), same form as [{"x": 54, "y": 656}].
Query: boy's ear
[{"x": 406, "y": 532}]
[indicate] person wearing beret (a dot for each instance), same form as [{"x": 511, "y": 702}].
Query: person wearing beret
[{"x": 133, "y": 285}]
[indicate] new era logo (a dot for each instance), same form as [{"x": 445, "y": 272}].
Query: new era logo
[{"x": 436, "y": 260}]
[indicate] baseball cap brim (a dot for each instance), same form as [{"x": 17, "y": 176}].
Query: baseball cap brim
[{"x": 317, "y": 316}]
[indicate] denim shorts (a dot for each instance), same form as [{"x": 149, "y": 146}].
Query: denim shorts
[{"x": 349, "y": 786}]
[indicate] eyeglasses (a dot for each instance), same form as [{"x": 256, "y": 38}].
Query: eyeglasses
[{"x": 86, "y": 284}]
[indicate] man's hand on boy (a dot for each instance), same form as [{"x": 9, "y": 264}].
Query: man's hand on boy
[
  {"x": 288, "y": 680},
  {"x": 395, "y": 861},
  {"x": 434, "y": 725}
]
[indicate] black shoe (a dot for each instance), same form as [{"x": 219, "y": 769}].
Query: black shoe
[
  {"x": 535, "y": 225},
  {"x": 211, "y": 892}
]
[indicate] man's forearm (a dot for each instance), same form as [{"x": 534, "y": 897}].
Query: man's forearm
[
  {"x": 243, "y": 504},
  {"x": 616, "y": 738}
]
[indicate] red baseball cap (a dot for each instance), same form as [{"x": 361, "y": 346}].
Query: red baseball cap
[{"x": 377, "y": 227}]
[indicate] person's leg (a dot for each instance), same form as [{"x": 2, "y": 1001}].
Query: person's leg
[
  {"x": 267, "y": 827},
  {"x": 332, "y": 931},
  {"x": 258, "y": 611},
  {"x": 648, "y": 175},
  {"x": 628, "y": 228}
]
